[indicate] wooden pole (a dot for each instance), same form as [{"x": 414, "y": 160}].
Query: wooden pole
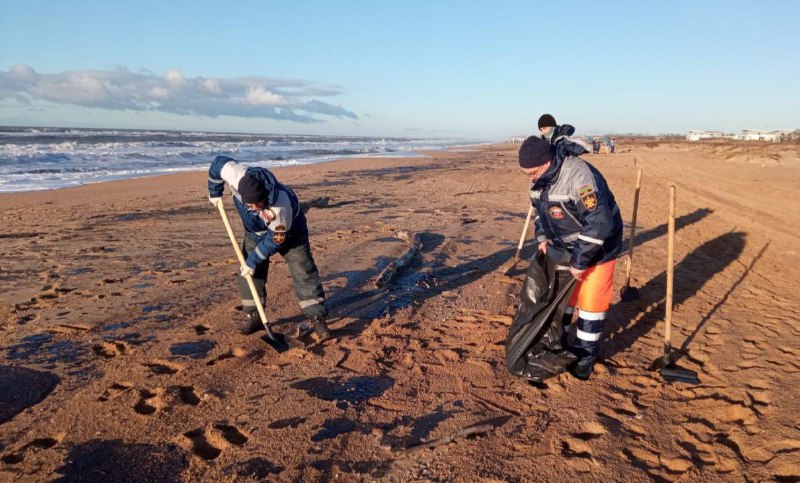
[
  {"x": 670, "y": 276},
  {"x": 633, "y": 227}
]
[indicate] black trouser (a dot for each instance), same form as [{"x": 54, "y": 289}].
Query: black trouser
[{"x": 307, "y": 284}]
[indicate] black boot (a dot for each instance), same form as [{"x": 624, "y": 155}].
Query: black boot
[
  {"x": 251, "y": 324},
  {"x": 321, "y": 329},
  {"x": 304, "y": 329}
]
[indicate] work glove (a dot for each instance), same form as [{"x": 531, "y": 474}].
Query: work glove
[
  {"x": 215, "y": 201},
  {"x": 250, "y": 265},
  {"x": 247, "y": 271}
]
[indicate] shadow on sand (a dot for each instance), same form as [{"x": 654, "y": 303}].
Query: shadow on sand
[{"x": 691, "y": 274}]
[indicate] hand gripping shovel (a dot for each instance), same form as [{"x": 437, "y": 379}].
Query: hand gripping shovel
[
  {"x": 506, "y": 267},
  {"x": 276, "y": 340},
  {"x": 669, "y": 371}
]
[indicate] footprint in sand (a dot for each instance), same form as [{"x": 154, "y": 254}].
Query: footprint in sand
[
  {"x": 188, "y": 395},
  {"x": 150, "y": 402},
  {"x": 578, "y": 455},
  {"x": 115, "y": 390},
  {"x": 110, "y": 350},
  {"x": 163, "y": 368},
  {"x": 231, "y": 354},
  {"x": 204, "y": 445},
  {"x": 232, "y": 434},
  {"x": 17, "y": 457},
  {"x": 590, "y": 430},
  {"x": 770, "y": 451},
  {"x": 209, "y": 444}
]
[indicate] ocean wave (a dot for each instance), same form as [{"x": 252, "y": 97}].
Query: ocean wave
[{"x": 48, "y": 158}]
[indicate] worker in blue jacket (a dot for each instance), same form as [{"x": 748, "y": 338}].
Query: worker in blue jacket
[
  {"x": 576, "y": 212},
  {"x": 274, "y": 222}
]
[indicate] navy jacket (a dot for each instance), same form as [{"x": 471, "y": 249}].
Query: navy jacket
[
  {"x": 576, "y": 210},
  {"x": 286, "y": 221}
]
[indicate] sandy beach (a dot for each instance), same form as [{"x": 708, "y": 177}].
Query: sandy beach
[{"x": 120, "y": 361}]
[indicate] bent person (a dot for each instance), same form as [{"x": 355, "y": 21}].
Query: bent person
[
  {"x": 577, "y": 213},
  {"x": 274, "y": 222}
]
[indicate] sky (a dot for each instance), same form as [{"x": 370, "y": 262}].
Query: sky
[{"x": 451, "y": 69}]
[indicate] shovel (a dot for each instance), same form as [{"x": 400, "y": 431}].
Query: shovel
[
  {"x": 506, "y": 267},
  {"x": 276, "y": 340},
  {"x": 628, "y": 293},
  {"x": 669, "y": 371}
]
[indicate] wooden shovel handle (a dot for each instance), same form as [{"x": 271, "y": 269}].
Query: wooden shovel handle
[
  {"x": 670, "y": 274},
  {"x": 633, "y": 227},
  {"x": 242, "y": 263},
  {"x": 524, "y": 232}
]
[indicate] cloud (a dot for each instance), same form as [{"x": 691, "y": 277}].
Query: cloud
[{"x": 121, "y": 89}]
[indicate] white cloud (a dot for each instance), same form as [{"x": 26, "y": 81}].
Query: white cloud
[
  {"x": 211, "y": 86},
  {"x": 175, "y": 78},
  {"x": 121, "y": 89},
  {"x": 258, "y": 96}
]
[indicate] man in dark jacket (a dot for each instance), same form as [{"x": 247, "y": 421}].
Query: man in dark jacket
[
  {"x": 274, "y": 222},
  {"x": 576, "y": 211},
  {"x": 561, "y": 137}
]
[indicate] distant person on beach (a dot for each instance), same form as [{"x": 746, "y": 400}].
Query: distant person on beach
[
  {"x": 560, "y": 136},
  {"x": 576, "y": 214},
  {"x": 274, "y": 222},
  {"x": 596, "y": 146},
  {"x": 612, "y": 145}
]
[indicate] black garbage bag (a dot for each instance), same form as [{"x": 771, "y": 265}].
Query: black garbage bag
[{"x": 533, "y": 346}]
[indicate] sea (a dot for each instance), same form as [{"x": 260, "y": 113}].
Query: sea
[{"x": 40, "y": 158}]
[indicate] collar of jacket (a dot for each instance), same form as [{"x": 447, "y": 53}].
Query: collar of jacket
[{"x": 550, "y": 175}]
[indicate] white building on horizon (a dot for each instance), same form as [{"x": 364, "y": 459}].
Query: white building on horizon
[
  {"x": 756, "y": 135},
  {"x": 743, "y": 135},
  {"x": 698, "y": 135}
]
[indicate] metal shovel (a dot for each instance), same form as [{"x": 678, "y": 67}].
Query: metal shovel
[
  {"x": 276, "y": 340},
  {"x": 669, "y": 371}
]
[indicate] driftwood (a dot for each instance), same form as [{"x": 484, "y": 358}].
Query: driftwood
[
  {"x": 320, "y": 202},
  {"x": 477, "y": 428},
  {"x": 414, "y": 244}
]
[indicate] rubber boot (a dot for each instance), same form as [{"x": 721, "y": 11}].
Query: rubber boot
[
  {"x": 321, "y": 329},
  {"x": 587, "y": 345},
  {"x": 304, "y": 329},
  {"x": 251, "y": 324}
]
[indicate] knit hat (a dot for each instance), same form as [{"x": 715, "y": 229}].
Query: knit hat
[
  {"x": 535, "y": 152},
  {"x": 547, "y": 121},
  {"x": 252, "y": 190}
]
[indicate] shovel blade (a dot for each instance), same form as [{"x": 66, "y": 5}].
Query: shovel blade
[
  {"x": 506, "y": 267},
  {"x": 629, "y": 294},
  {"x": 672, "y": 373},
  {"x": 281, "y": 343}
]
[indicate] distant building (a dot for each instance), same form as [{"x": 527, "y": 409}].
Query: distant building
[
  {"x": 516, "y": 140},
  {"x": 698, "y": 135},
  {"x": 743, "y": 135},
  {"x": 756, "y": 135}
]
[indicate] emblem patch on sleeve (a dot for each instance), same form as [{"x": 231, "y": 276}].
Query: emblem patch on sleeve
[
  {"x": 280, "y": 234},
  {"x": 590, "y": 201},
  {"x": 555, "y": 212},
  {"x": 585, "y": 189}
]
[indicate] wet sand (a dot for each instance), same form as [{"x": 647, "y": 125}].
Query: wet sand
[{"x": 119, "y": 358}]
